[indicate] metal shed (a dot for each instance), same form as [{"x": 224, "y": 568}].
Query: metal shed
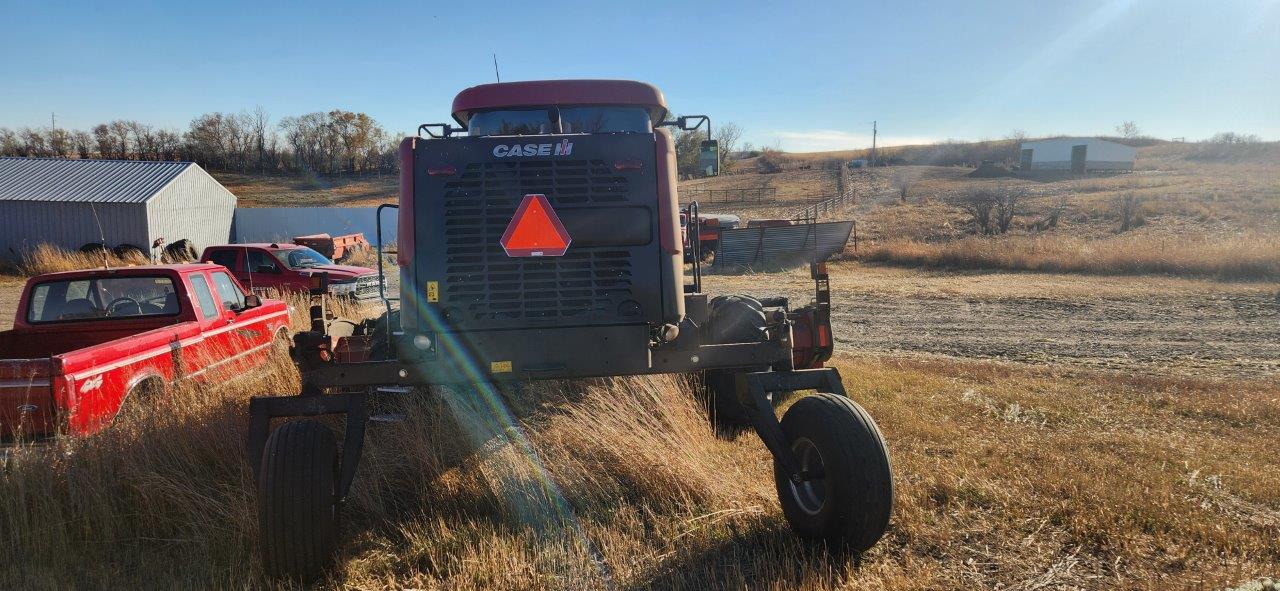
[
  {"x": 1076, "y": 154},
  {"x": 70, "y": 203}
]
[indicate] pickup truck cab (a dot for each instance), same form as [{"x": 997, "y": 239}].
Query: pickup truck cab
[
  {"x": 285, "y": 267},
  {"x": 86, "y": 343}
]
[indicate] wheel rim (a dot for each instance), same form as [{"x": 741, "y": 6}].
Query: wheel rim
[{"x": 810, "y": 495}]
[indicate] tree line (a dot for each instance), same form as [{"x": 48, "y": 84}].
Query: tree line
[{"x": 334, "y": 142}]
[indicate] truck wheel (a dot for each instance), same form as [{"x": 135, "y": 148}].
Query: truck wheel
[
  {"x": 297, "y": 516},
  {"x": 849, "y": 504},
  {"x": 733, "y": 319},
  {"x": 720, "y": 400}
]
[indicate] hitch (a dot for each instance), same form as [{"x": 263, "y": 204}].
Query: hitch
[{"x": 753, "y": 391}]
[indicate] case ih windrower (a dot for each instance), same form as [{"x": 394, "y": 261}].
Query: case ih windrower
[{"x": 546, "y": 244}]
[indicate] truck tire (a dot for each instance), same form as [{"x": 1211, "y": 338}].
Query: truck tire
[
  {"x": 850, "y": 504},
  {"x": 129, "y": 251},
  {"x": 297, "y": 515},
  {"x": 733, "y": 319},
  {"x": 383, "y": 327},
  {"x": 182, "y": 251}
]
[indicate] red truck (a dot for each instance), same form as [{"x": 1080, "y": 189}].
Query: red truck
[
  {"x": 291, "y": 267},
  {"x": 85, "y": 344}
]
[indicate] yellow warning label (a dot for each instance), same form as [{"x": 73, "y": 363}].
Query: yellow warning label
[
  {"x": 433, "y": 291},
  {"x": 500, "y": 367}
]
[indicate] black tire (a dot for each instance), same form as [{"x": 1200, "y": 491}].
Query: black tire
[
  {"x": 850, "y": 505},
  {"x": 383, "y": 327},
  {"x": 182, "y": 251},
  {"x": 127, "y": 251},
  {"x": 93, "y": 248},
  {"x": 733, "y": 319},
  {"x": 297, "y": 516}
]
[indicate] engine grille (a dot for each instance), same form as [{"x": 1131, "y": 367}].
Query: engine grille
[
  {"x": 483, "y": 284},
  {"x": 367, "y": 286}
]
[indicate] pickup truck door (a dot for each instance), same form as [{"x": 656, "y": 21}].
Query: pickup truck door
[
  {"x": 266, "y": 272},
  {"x": 250, "y": 334},
  {"x": 213, "y": 348}
]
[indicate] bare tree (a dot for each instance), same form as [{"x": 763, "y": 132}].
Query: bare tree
[
  {"x": 1129, "y": 130},
  {"x": 82, "y": 143},
  {"x": 902, "y": 184},
  {"x": 1129, "y": 210},
  {"x": 1017, "y": 135},
  {"x": 978, "y": 203},
  {"x": 727, "y": 136},
  {"x": 1007, "y": 201}
]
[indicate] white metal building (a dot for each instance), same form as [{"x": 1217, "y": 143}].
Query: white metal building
[
  {"x": 1076, "y": 154},
  {"x": 70, "y": 203}
]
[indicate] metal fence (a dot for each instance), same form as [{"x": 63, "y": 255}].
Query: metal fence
[{"x": 748, "y": 196}]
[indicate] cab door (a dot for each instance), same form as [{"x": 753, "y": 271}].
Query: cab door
[
  {"x": 204, "y": 357},
  {"x": 265, "y": 271},
  {"x": 249, "y": 337}
]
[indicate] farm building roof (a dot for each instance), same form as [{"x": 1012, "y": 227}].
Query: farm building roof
[{"x": 85, "y": 181}]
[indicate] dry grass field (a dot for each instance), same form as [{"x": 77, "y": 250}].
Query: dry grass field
[
  {"x": 1076, "y": 408},
  {"x": 310, "y": 191},
  {"x": 1007, "y": 477},
  {"x": 1199, "y": 211}
]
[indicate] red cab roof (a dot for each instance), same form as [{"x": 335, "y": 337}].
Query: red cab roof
[{"x": 537, "y": 93}]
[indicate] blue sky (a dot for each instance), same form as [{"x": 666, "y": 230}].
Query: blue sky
[{"x": 802, "y": 76}]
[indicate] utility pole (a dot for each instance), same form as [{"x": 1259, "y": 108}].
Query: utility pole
[{"x": 873, "y": 143}]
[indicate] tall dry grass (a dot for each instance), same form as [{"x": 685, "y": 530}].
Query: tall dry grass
[
  {"x": 1236, "y": 256},
  {"x": 1005, "y": 478},
  {"x": 46, "y": 258}
]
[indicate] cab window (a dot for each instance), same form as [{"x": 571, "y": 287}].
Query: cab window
[
  {"x": 512, "y": 122},
  {"x": 604, "y": 120},
  {"x": 262, "y": 262},
  {"x": 226, "y": 258},
  {"x": 103, "y": 298},
  {"x": 208, "y": 308},
  {"x": 228, "y": 291}
]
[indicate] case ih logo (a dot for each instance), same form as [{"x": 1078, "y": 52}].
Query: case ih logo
[{"x": 564, "y": 148}]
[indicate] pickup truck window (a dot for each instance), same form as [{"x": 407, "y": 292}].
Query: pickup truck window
[
  {"x": 226, "y": 258},
  {"x": 261, "y": 262},
  {"x": 208, "y": 308},
  {"x": 103, "y": 297},
  {"x": 304, "y": 258},
  {"x": 232, "y": 299}
]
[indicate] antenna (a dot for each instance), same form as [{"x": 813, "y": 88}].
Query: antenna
[
  {"x": 495, "y": 68},
  {"x": 106, "y": 261}
]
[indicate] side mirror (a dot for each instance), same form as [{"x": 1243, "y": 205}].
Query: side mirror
[{"x": 252, "y": 301}]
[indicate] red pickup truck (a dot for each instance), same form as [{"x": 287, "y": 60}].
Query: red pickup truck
[
  {"x": 86, "y": 343},
  {"x": 290, "y": 267}
]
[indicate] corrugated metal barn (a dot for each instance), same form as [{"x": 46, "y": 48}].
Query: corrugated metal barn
[
  {"x": 70, "y": 203},
  {"x": 1076, "y": 154}
]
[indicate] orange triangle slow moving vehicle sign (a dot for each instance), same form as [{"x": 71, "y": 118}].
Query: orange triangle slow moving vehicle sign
[{"x": 535, "y": 230}]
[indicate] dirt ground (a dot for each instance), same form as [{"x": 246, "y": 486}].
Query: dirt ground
[{"x": 1144, "y": 325}]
